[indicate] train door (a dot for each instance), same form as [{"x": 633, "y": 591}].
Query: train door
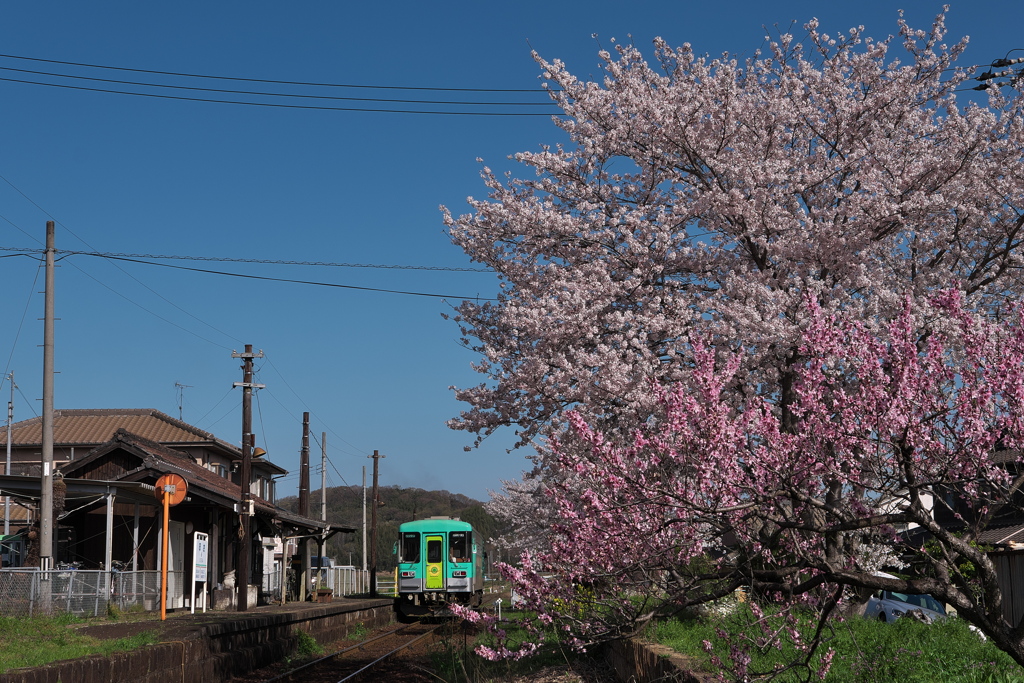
[{"x": 435, "y": 562}]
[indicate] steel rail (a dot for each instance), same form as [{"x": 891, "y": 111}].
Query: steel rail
[
  {"x": 385, "y": 656},
  {"x": 288, "y": 674}
]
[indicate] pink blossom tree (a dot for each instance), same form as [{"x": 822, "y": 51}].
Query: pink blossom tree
[
  {"x": 768, "y": 298},
  {"x": 710, "y": 495}
]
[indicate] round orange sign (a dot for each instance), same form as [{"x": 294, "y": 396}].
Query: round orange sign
[{"x": 174, "y": 485}]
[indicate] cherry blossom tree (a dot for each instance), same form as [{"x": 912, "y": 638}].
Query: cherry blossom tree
[
  {"x": 762, "y": 311},
  {"x": 711, "y": 196}
]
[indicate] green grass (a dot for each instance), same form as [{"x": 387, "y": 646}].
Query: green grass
[
  {"x": 34, "y": 641},
  {"x": 866, "y": 650}
]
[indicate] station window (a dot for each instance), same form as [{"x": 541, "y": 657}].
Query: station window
[
  {"x": 458, "y": 546},
  {"x": 410, "y": 548}
]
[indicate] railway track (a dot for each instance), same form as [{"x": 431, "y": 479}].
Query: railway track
[{"x": 376, "y": 658}]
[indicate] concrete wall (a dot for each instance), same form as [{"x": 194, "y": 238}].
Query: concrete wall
[{"x": 222, "y": 649}]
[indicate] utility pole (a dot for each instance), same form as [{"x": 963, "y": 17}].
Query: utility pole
[
  {"x": 364, "y": 517},
  {"x": 323, "y": 476},
  {"x": 7, "y": 470},
  {"x": 10, "y": 421},
  {"x": 373, "y": 527},
  {"x": 304, "y": 468},
  {"x": 243, "y": 551},
  {"x": 307, "y": 569},
  {"x": 46, "y": 497}
]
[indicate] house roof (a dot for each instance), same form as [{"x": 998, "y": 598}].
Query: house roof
[
  {"x": 159, "y": 459},
  {"x": 1004, "y": 535},
  {"x": 94, "y": 426}
]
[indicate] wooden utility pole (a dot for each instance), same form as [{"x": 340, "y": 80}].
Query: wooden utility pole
[
  {"x": 304, "y": 468},
  {"x": 46, "y": 497},
  {"x": 373, "y": 527},
  {"x": 364, "y": 518},
  {"x": 323, "y": 477},
  {"x": 243, "y": 551},
  {"x": 306, "y": 569},
  {"x": 323, "y": 493},
  {"x": 7, "y": 470}
]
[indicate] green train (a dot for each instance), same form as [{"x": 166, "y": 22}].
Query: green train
[{"x": 440, "y": 561}]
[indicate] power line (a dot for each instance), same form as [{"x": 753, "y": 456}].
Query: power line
[
  {"x": 293, "y": 281},
  {"x": 277, "y": 82},
  {"x": 259, "y": 93},
  {"x": 277, "y": 105},
  {"x": 267, "y": 261}
]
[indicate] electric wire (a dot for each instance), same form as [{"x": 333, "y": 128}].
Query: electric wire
[
  {"x": 83, "y": 241},
  {"x": 317, "y": 441},
  {"x": 152, "y": 313},
  {"x": 279, "y": 105},
  {"x": 21, "y": 326},
  {"x": 300, "y": 282},
  {"x": 277, "y": 94},
  {"x": 259, "y": 412},
  {"x": 284, "y": 380},
  {"x": 224, "y": 259},
  {"x": 226, "y": 394},
  {"x": 264, "y": 80}
]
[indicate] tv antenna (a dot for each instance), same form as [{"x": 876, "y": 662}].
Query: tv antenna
[{"x": 180, "y": 390}]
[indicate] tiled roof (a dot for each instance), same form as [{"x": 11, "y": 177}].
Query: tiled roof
[
  {"x": 92, "y": 427},
  {"x": 159, "y": 458},
  {"x": 1002, "y": 535},
  {"x": 163, "y": 459}
]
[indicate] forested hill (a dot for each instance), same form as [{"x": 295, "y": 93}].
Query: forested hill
[{"x": 398, "y": 505}]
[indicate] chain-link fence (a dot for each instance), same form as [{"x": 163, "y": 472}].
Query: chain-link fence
[{"x": 27, "y": 592}]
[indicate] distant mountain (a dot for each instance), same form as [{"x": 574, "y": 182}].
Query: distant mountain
[{"x": 398, "y": 505}]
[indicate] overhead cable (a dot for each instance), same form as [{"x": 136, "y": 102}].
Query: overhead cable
[{"x": 267, "y": 80}]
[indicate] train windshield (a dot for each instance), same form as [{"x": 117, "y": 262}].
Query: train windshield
[
  {"x": 434, "y": 552},
  {"x": 410, "y": 548},
  {"x": 458, "y": 546}
]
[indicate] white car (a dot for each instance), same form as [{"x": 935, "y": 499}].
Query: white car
[{"x": 888, "y": 606}]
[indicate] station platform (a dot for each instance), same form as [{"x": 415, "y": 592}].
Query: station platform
[{"x": 211, "y": 646}]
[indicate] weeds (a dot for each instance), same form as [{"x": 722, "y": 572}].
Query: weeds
[
  {"x": 306, "y": 645},
  {"x": 35, "y": 641}
]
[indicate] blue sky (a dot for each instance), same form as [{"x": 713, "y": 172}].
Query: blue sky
[{"x": 142, "y": 175}]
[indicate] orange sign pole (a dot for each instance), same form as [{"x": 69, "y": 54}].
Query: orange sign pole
[
  {"x": 170, "y": 490},
  {"x": 163, "y": 560}
]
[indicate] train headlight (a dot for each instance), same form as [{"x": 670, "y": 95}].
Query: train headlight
[
  {"x": 459, "y": 574},
  {"x": 408, "y": 575}
]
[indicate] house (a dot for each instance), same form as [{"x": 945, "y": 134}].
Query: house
[
  {"x": 117, "y": 525},
  {"x": 76, "y": 432}
]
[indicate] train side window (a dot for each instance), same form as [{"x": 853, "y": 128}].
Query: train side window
[
  {"x": 410, "y": 548},
  {"x": 458, "y": 546},
  {"x": 434, "y": 552}
]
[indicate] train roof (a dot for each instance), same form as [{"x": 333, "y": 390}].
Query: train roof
[{"x": 436, "y": 524}]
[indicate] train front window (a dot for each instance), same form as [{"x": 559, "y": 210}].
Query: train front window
[
  {"x": 458, "y": 546},
  {"x": 434, "y": 552},
  {"x": 410, "y": 548}
]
